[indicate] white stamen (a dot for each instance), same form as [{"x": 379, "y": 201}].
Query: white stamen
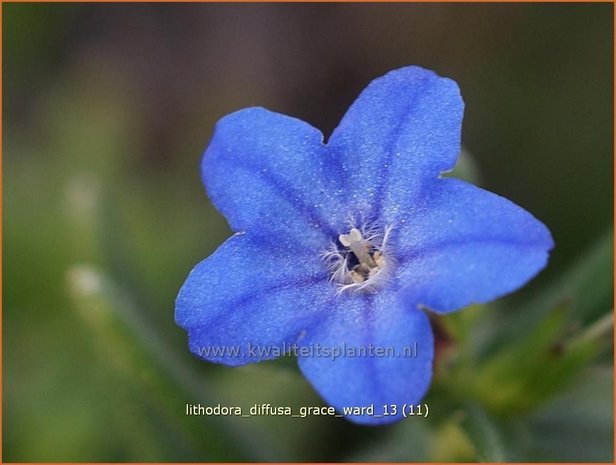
[
  {"x": 359, "y": 246},
  {"x": 366, "y": 245}
]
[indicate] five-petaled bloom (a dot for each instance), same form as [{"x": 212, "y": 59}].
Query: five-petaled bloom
[{"x": 346, "y": 244}]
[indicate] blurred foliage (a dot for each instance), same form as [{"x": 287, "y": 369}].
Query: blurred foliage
[{"x": 107, "y": 109}]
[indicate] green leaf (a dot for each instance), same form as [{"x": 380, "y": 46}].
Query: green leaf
[
  {"x": 530, "y": 370},
  {"x": 584, "y": 416},
  {"x": 588, "y": 285},
  {"x": 466, "y": 168},
  {"x": 484, "y": 434},
  {"x": 585, "y": 289},
  {"x": 450, "y": 442},
  {"x": 131, "y": 348},
  {"x": 407, "y": 441}
]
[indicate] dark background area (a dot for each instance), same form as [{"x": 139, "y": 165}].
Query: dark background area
[{"x": 107, "y": 110}]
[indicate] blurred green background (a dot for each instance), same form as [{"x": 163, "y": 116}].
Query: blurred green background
[{"x": 107, "y": 110}]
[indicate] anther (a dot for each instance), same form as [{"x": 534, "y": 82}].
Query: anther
[
  {"x": 359, "y": 246},
  {"x": 359, "y": 260}
]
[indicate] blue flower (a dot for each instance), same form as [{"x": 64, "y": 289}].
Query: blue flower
[{"x": 341, "y": 247}]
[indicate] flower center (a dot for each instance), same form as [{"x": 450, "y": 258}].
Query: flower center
[
  {"x": 370, "y": 260},
  {"x": 359, "y": 260}
]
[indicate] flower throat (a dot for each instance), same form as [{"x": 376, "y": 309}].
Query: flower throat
[{"x": 359, "y": 260}]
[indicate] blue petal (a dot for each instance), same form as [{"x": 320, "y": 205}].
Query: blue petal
[
  {"x": 403, "y": 130},
  {"x": 246, "y": 295},
  {"x": 397, "y": 379},
  {"x": 463, "y": 245},
  {"x": 271, "y": 175}
]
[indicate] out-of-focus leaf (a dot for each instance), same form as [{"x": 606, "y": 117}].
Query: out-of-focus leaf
[
  {"x": 510, "y": 367},
  {"x": 450, "y": 443},
  {"x": 409, "y": 441},
  {"x": 588, "y": 285},
  {"x": 484, "y": 434},
  {"x": 128, "y": 345},
  {"x": 585, "y": 289},
  {"x": 532, "y": 369},
  {"x": 579, "y": 425},
  {"x": 466, "y": 168},
  {"x": 460, "y": 325}
]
